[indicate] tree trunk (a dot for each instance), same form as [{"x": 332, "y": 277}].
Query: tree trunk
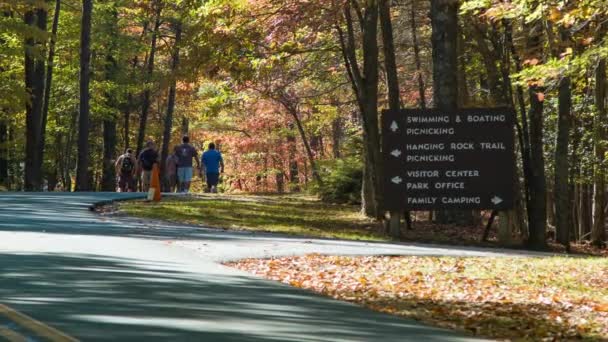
[
  {"x": 110, "y": 137},
  {"x": 311, "y": 159},
  {"x": 444, "y": 22},
  {"x": 13, "y": 165},
  {"x": 392, "y": 79},
  {"x": 294, "y": 178},
  {"x": 3, "y": 154},
  {"x": 145, "y": 108},
  {"x": 537, "y": 206},
  {"x": 370, "y": 105},
  {"x": 598, "y": 232},
  {"x": 367, "y": 191},
  {"x": 562, "y": 189},
  {"x": 82, "y": 169},
  {"x": 280, "y": 181},
  {"x": 34, "y": 82},
  {"x": 522, "y": 125},
  {"x": 48, "y": 83},
  {"x": 414, "y": 30},
  {"x": 185, "y": 126},
  {"x": 463, "y": 88},
  {"x": 127, "y": 120},
  {"x": 108, "y": 180},
  {"x": 551, "y": 217},
  {"x": 170, "y": 104},
  {"x": 538, "y": 188},
  {"x": 489, "y": 58},
  {"x": 337, "y": 133},
  {"x": 586, "y": 212},
  {"x": 394, "y": 97},
  {"x": 365, "y": 87}
]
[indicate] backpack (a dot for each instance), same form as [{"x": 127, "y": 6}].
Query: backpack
[{"x": 127, "y": 165}]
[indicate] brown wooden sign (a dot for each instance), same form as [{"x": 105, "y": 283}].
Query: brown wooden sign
[{"x": 458, "y": 159}]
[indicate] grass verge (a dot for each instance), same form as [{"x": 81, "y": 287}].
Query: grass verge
[
  {"x": 307, "y": 216},
  {"x": 557, "y": 298},
  {"x": 296, "y": 215}
]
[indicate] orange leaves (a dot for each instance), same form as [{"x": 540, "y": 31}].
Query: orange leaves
[
  {"x": 587, "y": 41},
  {"x": 531, "y": 62},
  {"x": 540, "y": 96},
  {"x": 555, "y": 14},
  {"x": 513, "y": 298},
  {"x": 601, "y": 307}
]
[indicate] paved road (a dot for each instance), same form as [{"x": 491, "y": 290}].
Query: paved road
[{"x": 108, "y": 278}]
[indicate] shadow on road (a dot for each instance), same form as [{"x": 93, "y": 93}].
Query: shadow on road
[
  {"x": 98, "y": 298},
  {"x": 69, "y": 214}
]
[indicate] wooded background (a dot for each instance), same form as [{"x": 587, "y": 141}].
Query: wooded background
[{"x": 292, "y": 91}]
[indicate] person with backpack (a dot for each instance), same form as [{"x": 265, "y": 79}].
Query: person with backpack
[
  {"x": 125, "y": 169},
  {"x": 213, "y": 165},
  {"x": 185, "y": 154},
  {"x": 171, "y": 170},
  {"x": 146, "y": 160}
]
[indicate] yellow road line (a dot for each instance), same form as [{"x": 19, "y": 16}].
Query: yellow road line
[
  {"x": 35, "y": 326},
  {"x": 12, "y": 336}
]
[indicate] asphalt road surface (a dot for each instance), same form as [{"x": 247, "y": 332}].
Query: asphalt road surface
[{"x": 67, "y": 273}]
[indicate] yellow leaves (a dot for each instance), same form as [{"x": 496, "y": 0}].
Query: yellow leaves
[
  {"x": 555, "y": 14},
  {"x": 566, "y": 53},
  {"x": 568, "y": 20}
]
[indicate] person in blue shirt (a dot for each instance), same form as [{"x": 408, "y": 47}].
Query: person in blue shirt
[{"x": 212, "y": 165}]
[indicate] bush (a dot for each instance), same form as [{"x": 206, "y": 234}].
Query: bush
[{"x": 342, "y": 180}]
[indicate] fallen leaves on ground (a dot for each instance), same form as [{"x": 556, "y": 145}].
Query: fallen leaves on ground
[{"x": 556, "y": 298}]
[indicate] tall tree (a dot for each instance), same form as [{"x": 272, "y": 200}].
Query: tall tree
[
  {"x": 82, "y": 168},
  {"x": 4, "y": 149},
  {"x": 365, "y": 86},
  {"x": 3, "y": 153},
  {"x": 562, "y": 188},
  {"x": 145, "y": 107},
  {"x": 168, "y": 125},
  {"x": 444, "y": 22},
  {"x": 537, "y": 207},
  {"x": 417, "y": 60},
  {"x": 598, "y": 231},
  {"x": 108, "y": 178},
  {"x": 48, "y": 83},
  {"x": 392, "y": 80},
  {"x": 36, "y": 19}
]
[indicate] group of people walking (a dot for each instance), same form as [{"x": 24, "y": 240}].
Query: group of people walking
[{"x": 178, "y": 171}]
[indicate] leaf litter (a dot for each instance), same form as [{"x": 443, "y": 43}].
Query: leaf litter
[{"x": 536, "y": 299}]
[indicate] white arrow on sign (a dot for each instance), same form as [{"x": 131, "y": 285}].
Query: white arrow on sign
[
  {"x": 496, "y": 200},
  {"x": 397, "y": 180},
  {"x": 396, "y": 153},
  {"x": 394, "y": 126}
]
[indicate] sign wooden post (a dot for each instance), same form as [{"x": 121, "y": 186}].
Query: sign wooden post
[{"x": 459, "y": 159}]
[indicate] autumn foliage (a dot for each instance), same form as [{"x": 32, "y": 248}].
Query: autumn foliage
[{"x": 518, "y": 298}]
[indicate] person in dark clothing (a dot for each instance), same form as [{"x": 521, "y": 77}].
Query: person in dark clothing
[
  {"x": 126, "y": 168},
  {"x": 171, "y": 170},
  {"x": 185, "y": 153},
  {"x": 213, "y": 165},
  {"x": 146, "y": 160}
]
